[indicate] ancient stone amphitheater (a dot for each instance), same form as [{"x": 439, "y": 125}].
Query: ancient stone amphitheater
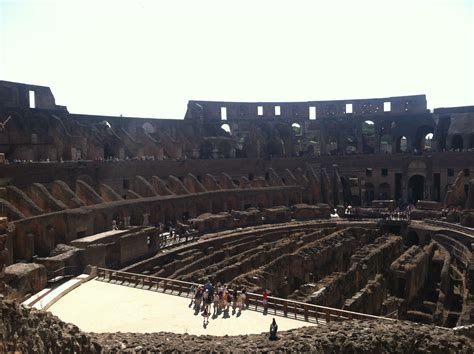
[{"x": 356, "y": 215}]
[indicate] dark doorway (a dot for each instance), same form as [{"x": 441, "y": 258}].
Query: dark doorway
[
  {"x": 416, "y": 185},
  {"x": 108, "y": 152}
]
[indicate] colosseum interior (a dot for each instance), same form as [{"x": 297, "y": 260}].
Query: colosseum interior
[{"x": 352, "y": 211}]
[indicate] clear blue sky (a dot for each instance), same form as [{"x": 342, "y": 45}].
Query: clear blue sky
[{"x": 147, "y": 58}]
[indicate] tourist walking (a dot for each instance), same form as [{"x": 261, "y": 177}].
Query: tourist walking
[
  {"x": 265, "y": 300},
  {"x": 216, "y": 304},
  {"x": 205, "y": 315}
]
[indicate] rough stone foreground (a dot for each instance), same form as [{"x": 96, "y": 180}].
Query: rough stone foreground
[{"x": 40, "y": 332}]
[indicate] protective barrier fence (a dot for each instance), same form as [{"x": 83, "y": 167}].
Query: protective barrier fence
[{"x": 276, "y": 306}]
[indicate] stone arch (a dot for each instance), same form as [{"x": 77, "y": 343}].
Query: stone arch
[
  {"x": 420, "y": 137},
  {"x": 296, "y": 127},
  {"x": 110, "y": 151},
  {"x": 148, "y": 128},
  {"x": 226, "y": 128},
  {"x": 427, "y": 144},
  {"x": 457, "y": 142},
  {"x": 401, "y": 144},
  {"x": 332, "y": 146},
  {"x": 368, "y": 137},
  {"x": 351, "y": 145},
  {"x": 386, "y": 144}
]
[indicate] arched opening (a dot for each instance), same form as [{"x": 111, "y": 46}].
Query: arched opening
[
  {"x": 456, "y": 142},
  {"x": 226, "y": 128},
  {"x": 148, "y": 128},
  {"x": 297, "y": 129},
  {"x": 109, "y": 152},
  {"x": 368, "y": 137},
  {"x": 243, "y": 143},
  {"x": 369, "y": 193},
  {"x": 402, "y": 144},
  {"x": 351, "y": 145},
  {"x": 313, "y": 144},
  {"x": 423, "y": 137},
  {"x": 332, "y": 146},
  {"x": 427, "y": 142},
  {"x": 386, "y": 144},
  {"x": 416, "y": 186},
  {"x": 412, "y": 239}
]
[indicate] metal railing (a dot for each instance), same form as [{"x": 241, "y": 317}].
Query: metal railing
[{"x": 277, "y": 306}]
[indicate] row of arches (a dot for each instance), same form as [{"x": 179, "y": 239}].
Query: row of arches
[
  {"x": 415, "y": 190},
  {"x": 460, "y": 143}
]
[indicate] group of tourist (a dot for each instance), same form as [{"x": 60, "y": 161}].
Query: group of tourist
[
  {"x": 397, "y": 215},
  {"x": 220, "y": 297},
  {"x": 171, "y": 233}
]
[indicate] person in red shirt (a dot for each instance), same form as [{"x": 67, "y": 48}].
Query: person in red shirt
[{"x": 265, "y": 300}]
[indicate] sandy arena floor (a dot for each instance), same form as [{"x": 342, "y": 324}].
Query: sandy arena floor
[{"x": 97, "y": 306}]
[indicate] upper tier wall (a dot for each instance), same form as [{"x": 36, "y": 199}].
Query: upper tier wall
[{"x": 301, "y": 110}]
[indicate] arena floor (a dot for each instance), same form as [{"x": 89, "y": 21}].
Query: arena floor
[{"x": 97, "y": 306}]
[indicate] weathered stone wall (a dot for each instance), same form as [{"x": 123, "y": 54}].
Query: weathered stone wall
[
  {"x": 370, "y": 298},
  {"x": 25, "y": 278},
  {"x": 410, "y": 271},
  {"x": 25, "y": 330},
  {"x": 366, "y": 263}
]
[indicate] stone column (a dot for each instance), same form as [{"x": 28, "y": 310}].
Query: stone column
[{"x": 145, "y": 219}]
